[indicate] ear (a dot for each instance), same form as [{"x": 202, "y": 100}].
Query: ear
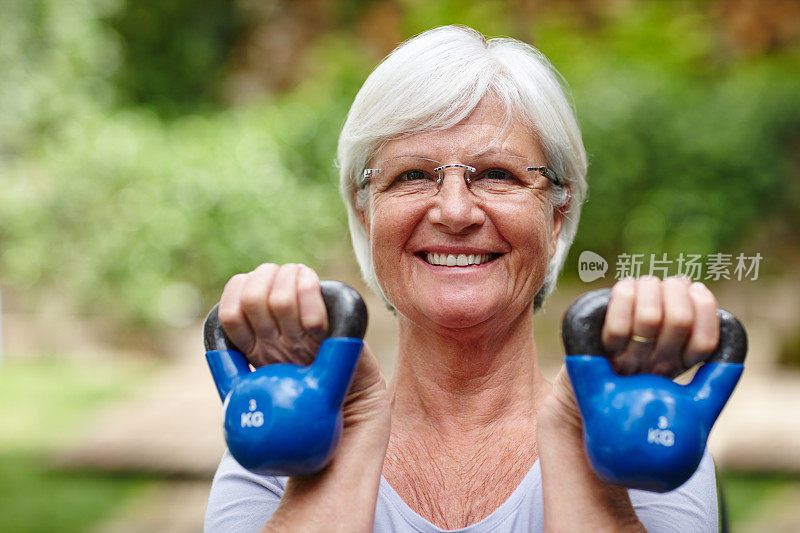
[
  {"x": 558, "y": 220},
  {"x": 362, "y": 216}
]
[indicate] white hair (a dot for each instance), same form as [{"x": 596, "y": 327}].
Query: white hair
[{"x": 434, "y": 81}]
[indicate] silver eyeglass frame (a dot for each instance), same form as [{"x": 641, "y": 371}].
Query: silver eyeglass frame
[{"x": 547, "y": 172}]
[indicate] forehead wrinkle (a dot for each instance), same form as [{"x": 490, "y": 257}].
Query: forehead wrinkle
[
  {"x": 491, "y": 150},
  {"x": 469, "y": 139},
  {"x": 417, "y": 156}
]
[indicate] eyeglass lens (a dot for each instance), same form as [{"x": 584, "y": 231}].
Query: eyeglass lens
[{"x": 485, "y": 177}]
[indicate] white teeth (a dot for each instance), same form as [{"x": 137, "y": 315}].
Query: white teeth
[{"x": 452, "y": 260}]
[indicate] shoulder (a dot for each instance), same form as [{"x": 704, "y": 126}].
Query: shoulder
[
  {"x": 690, "y": 507},
  {"x": 241, "y": 500}
]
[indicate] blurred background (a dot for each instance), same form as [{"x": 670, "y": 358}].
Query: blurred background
[{"x": 151, "y": 149}]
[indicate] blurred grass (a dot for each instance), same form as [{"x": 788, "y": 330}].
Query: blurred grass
[
  {"x": 750, "y": 498},
  {"x": 48, "y": 401},
  {"x": 45, "y": 403},
  {"x": 127, "y": 181}
]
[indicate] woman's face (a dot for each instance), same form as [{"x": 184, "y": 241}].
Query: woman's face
[{"x": 510, "y": 236}]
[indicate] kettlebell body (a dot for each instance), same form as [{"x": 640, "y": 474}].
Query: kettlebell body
[
  {"x": 646, "y": 431},
  {"x": 286, "y": 419}
]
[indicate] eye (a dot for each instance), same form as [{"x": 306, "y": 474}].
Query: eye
[
  {"x": 497, "y": 174},
  {"x": 413, "y": 175}
]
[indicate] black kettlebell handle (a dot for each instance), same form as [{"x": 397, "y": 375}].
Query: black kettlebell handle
[
  {"x": 347, "y": 316},
  {"x": 584, "y": 319}
]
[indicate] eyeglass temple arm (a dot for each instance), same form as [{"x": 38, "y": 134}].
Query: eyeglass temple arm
[{"x": 548, "y": 173}]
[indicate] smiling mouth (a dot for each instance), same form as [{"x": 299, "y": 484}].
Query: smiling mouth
[{"x": 457, "y": 260}]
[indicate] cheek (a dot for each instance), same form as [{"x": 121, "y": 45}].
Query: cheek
[
  {"x": 532, "y": 237},
  {"x": 530, "y": 228},
  {"x": 389, "y": 230}
]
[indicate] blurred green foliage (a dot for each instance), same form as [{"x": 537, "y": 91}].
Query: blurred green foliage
[
  {"x": 172, "y": 52},
  {"x": 689, "y": 150},
  {"x": 47, "y": 401},
  {"x": 128, "y": 182}
]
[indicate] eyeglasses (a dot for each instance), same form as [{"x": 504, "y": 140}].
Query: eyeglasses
[{"x": 490, "y": 177}]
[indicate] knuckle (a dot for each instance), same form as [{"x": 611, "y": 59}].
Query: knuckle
[
  {"x": 649, "y": 317},
  {"x": 266, "y": 268},
  {"x": 287, "y": 267},
  {"x": 666, "y": 368},
  {"x": 623, "y": 290},
  {"x": 307, "y": 285},
  {"x": 228, "y": 315},
  {"x": 252, "y": 298},
  {"x": 705, "y": 298},
  {"x": 626, "y": 365},
  {"x": 679, "y": 318},
  {"x": 314, "y": 322},
  {"x": 234, "y": 281},
  {"x": 701, "y": 293},
  {"x": 705, "y": 344},
  {"x": 281, "y": 301},
  {"x": 678, "y": 281},
  {"x": 616, "y": 327},
  {"x": 692, "y": 359}
]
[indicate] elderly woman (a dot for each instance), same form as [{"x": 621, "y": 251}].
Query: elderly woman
[{"x": 463, "y": 172}]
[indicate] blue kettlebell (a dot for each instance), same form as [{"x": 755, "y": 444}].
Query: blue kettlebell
[
  {"x": 646, "y": 431},
  {"x": 285, "y": 419}
]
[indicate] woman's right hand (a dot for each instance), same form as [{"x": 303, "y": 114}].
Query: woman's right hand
[{"x": 276, "y": 314}]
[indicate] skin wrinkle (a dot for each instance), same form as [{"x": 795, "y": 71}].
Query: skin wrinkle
[
  {"x": 467, "y": 384},
  {"x": 458, "y": 489},
  {"x": 486, "y": 381}
]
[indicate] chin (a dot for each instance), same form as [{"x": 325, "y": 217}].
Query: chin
[{"x": 459, "y": 311}]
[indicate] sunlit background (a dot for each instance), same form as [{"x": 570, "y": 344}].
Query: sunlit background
[{"x": 151, "y": 149}]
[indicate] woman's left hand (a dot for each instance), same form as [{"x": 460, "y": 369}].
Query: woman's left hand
[
  {"x": 659, "y": 327},
  {"x": 652, "y": 326}
]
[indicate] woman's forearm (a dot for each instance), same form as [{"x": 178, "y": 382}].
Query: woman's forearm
[
  {"x": 342, "y": 497},
  {"x": 575, "y": 498}
]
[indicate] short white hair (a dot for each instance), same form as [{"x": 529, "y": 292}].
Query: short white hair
[{"x": 434, "y": 81}]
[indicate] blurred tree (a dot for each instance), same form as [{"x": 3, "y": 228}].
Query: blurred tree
[
  {"x": 149, "y": 150},
  {"x": 751, "y": 27},
  {"x": 173, "y": 52}
]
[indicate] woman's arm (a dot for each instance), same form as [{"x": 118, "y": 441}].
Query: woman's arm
[
  {"x": 681, "y": 318},
  {"x": 276, "y": 314},
  {"x": 342, "y": 497},
  {"x": 575, "y": 499}
]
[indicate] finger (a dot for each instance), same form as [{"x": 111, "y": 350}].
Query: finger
[
  {"x": 647, "y": 316},
  {"x": 705, "y": 333},
  {"x": 283, "y": 304},
  {"x": 313, "y": 314},
  {"x": 619, "y": 316},
  {"x": 231, "y": 316},
  {"x": 254, "y": 301},
  {"x": 677, "y": 323}
]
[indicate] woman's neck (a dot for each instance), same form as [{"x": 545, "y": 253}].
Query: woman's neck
[
  {"x": 463, "y": 418},
  {"x": 463, "y": 382}
]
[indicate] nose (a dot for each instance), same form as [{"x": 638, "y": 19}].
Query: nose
[{"x": 454, "y": 207}]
